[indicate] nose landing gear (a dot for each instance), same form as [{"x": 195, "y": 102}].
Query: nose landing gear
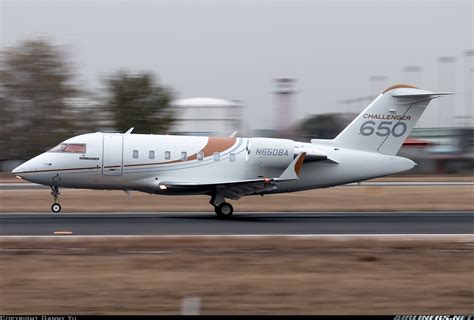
[{"x": 56, "y": 207}]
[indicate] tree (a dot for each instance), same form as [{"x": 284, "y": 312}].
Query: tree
[
  {"x": 324, "y": 126},
  {"x": 137, "y": 101},
  {"x": 35, "y": 83}
]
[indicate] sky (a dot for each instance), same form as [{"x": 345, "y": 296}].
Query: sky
[{"x": 233, "y": 49}]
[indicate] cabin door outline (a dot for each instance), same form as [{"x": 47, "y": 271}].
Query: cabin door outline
[{"x": 112, "y": 155}]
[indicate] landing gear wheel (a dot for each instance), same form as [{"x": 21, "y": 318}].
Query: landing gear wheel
[
  {"x": 224, "y": 209},
  {"x": 56, "y": 207}
]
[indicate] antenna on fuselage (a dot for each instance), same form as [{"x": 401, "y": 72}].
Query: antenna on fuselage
[{"x": 129, "y": 130}]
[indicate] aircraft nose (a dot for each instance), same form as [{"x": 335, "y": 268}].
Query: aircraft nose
[
  {"x": 18, "y": 170},
  {"x": 31, "y": 169},
  {"x": 25, "y": 167}
]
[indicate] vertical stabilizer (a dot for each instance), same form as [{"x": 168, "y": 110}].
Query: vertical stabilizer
[{"x": 386, "y": 123}]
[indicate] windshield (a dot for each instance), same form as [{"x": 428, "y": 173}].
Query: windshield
[{"x": 69, "y": 147}]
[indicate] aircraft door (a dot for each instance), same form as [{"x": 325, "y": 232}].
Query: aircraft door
[{"x": 112, "y": 158}]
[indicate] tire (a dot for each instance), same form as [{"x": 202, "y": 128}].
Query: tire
[
  {"x": 224, "y": 209},
  {"x": 56, "y": 208}
]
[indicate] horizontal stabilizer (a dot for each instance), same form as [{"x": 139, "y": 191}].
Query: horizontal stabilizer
[{"x": 419, "y": 94}]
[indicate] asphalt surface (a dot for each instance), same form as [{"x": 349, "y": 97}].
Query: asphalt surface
[
  {"x": 33, "y": 186},
  {"x": 244, "y": 223}
]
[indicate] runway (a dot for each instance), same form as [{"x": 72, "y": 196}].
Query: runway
[
  {"x": 34, "y": 186},
  {"x": 242, "y": 223}
]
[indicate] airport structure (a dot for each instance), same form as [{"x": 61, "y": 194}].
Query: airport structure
[
  {"x": 207, "y": 116},
  {"x": 284, "y": 92}
]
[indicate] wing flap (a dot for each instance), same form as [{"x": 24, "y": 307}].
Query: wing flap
[{"x": 184, "y": 184}]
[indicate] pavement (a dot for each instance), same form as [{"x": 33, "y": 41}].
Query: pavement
[
  {"x": 241, "y": 223},
  {"x": 33, "y": 186}
]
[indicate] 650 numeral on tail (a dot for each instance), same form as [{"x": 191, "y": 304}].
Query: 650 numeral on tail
[{"x": 384, "y": 129}]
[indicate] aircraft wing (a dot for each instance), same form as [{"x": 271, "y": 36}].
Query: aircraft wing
[
  {"x": 235, "y": 189},
  {"x": 230, "y": 189}
]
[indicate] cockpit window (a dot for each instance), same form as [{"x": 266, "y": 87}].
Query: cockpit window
[
  {"x": 58, "y": 148},
  {"x": 69, "y": 147},
  {"x": 75, "y": 148}
]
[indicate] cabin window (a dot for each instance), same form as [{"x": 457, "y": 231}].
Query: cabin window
[
  {"x": 232, "y": 157},
  {"x": 217, "y": 156},
  {"x": 184, "y": 156},
  {"x": 167, "y": 155},
  {"x": 135, "y": 154},
  {"x": 200, "y": 155},
  {"x": 151, "y": 154}
]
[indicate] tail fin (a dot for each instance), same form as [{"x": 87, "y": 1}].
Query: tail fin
[{"x": 386, "y": 123}]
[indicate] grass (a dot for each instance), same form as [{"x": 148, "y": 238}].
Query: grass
[{"x": 280, "y": 275}]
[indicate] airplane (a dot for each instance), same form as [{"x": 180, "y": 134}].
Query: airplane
[{"x": 233, "y": 167}]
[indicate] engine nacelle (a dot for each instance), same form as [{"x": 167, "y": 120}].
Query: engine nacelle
[
  {"x": 276, "y": 153},
  {"x": 312, "y": 154}
]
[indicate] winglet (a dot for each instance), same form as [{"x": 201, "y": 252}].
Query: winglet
[
  {"x": 129, "y": 130},
  {"x": 233, "y": 134},
  {"x": 292, "y": 172}
]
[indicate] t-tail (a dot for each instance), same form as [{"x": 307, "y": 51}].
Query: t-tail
[{"x": 386, "y": 123}]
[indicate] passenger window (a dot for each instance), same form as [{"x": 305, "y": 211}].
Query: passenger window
[
  {"x": 135, "y": 154},
  {"x": 200, "y": 156},
  {"x": 151, "y": 154},
  {"x": 167, "y": 155},
  {"x": 217, "y": 156},
  {"x": 232, "y": 157},
  {"x": 184, "y": 155}
]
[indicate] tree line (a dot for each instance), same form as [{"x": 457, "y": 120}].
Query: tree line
[{"x": 41, "y": 104}]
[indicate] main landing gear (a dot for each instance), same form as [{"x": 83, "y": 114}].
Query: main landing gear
[
  {"x": 56, "y": 207},
  {"x": 222, "y": 208}
]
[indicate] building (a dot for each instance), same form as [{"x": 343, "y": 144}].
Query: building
[{"x": 207, "y": 116}]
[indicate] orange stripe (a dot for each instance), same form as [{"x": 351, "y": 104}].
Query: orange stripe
[
  {"x": 214, "y": 144},
  {"x": 397, "y": 86},
  {"x": 299, "y": 164},
  {"x": 88, "y": 168},
  {"x": 151, "y": 164},
  {"x": 217, "y": 144}
]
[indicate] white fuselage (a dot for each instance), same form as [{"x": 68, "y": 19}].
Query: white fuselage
[{"x": 140, "y": 162}]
